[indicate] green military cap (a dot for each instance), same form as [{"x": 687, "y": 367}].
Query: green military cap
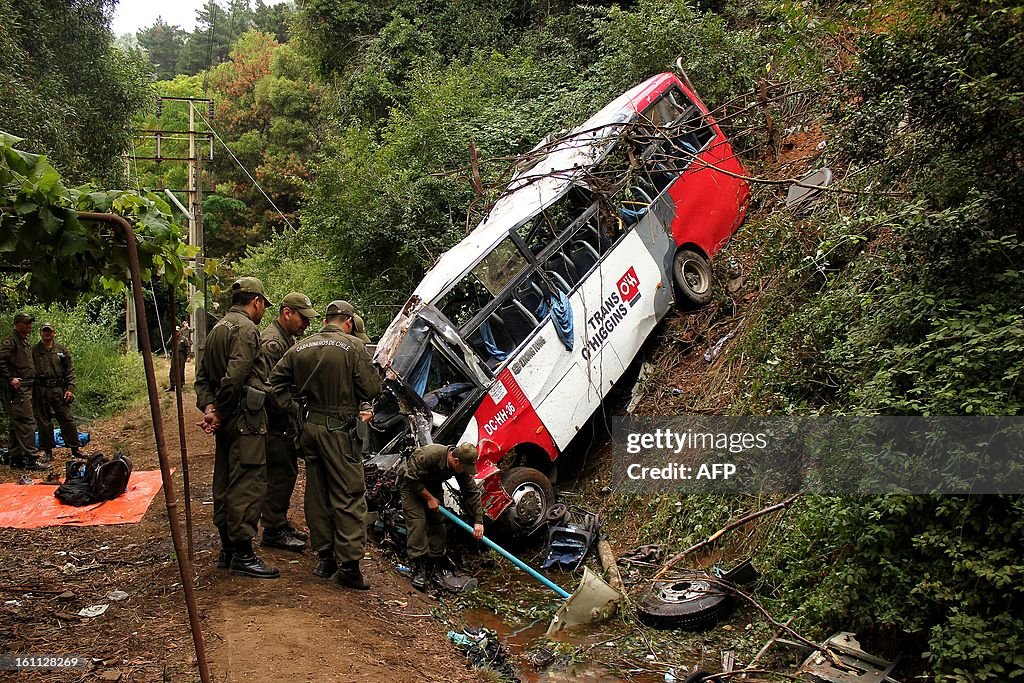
[
  {"x": 339, "y": 307},
  {"x": 47, "y": 326},
  {"x": 300, "y": 303},
  {"x": 23, "y": 318},
  {"x": 359, "y": 329},
  {"x": 250, "y": 285},
  {"x": 467, "y": 454}
]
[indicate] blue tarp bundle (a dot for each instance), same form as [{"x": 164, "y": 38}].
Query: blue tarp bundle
[{"x": 83, "y": 439}]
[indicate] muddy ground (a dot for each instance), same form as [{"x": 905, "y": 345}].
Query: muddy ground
[{"x": 296, "y": 628}]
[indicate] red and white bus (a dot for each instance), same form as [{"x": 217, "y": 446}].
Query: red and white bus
[{"x": 517, "y": 333}]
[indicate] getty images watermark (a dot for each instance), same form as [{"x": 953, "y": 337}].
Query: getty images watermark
[{"x": 828, "y": 455}]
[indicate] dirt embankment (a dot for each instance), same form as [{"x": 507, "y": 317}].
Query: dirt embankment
[{"x": 296, "y": 628}]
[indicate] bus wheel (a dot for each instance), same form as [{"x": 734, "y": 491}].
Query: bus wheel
[
  {"x": 692, "y": 275},
  {"x": 691, "y": 603},
  {"x": 531, "y": 495}
]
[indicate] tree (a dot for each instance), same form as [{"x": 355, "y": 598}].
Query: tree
[
  {"x": 216, "y": 31},
  {"x": 64, "y": 88},
  {"x": 163, "y": 44},
  {"x": 274, "y": 19}
]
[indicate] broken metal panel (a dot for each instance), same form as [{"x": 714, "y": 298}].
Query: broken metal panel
[{"x": 857, "y": 666}]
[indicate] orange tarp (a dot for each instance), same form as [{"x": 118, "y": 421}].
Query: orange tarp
[{"x": 31, "y": 507}]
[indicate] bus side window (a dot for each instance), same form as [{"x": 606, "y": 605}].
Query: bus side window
[{"x": 465, "y": 300}]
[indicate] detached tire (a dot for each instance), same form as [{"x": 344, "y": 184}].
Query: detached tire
[
  {"x": 532, "y": 494},
  {"x": 692, "y": 276},
  {"x": 692, "y": 603}
]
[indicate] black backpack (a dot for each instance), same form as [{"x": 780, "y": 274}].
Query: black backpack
[{"x": 98, "y": 479}]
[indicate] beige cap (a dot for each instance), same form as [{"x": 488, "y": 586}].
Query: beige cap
[
  {"x": 300, "y": 303},
  {"x": 467, "y": 454},
  {"x": 340, "y": 307},
  {"x": 250, "y": 285},
  {"x": 47, "y": 326}
]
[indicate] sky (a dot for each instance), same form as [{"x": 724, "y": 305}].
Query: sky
[{"x": 131, "y": 15}]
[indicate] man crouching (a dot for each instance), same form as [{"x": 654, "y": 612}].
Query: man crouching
[{"x": 425, "y": 472}]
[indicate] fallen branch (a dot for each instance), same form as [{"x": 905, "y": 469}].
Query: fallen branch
[{"x": 721, "y": 532}]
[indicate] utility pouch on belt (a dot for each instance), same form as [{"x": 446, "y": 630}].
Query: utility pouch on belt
[{"x": 252, "y": 410}]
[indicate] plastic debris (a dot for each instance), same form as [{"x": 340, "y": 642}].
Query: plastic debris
[
  {"x": 716, "y": 350},
  {"x": 93, "y": 610},
  {"x": 117, "y": 596},
  {"x": 483, "y": 650}
]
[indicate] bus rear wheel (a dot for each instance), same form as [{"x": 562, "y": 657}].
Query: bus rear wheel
[
  {"x": 692, "y": 275},
  {"x": 532, "y": 494}
]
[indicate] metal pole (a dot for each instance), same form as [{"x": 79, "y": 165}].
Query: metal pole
[
  {"x": 178, "y": 365},
  {"x": 159, "y": 324},
  {"x": 184, "y": 563}
]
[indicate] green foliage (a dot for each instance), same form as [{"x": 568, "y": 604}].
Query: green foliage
[
  {"x": 635, "y": 44},
  {"x": 64, "y": 88},
  {"x": 942, "y": 571},
  {"x": 67, "y": 256}
]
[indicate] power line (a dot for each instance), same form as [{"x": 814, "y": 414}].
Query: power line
[{"x": 249, "y": 175}]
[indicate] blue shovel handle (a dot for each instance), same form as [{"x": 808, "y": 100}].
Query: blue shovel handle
[{"x": 507, "y": 555}]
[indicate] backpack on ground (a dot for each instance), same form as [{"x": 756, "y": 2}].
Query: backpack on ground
[{"x": 93, "y": 481}]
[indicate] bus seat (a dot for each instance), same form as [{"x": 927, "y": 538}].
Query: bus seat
[
  {"x": 583, "y": 256},
  {"x": 529, "y": 295},
  {"x": 499, "y": 331},
  {"x": 519, "y": 322},
  {"x": 561, "y": 265}
]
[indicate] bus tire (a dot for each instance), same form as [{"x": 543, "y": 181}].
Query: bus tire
[
  {"x": 692, "y": 275},
  {"x": 532, "y": 494}
]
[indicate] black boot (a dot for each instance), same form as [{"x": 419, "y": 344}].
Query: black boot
[
  {"x": 227, "y": 550},
  {"x": 46, "y": 458},
  {"x": 301, "y": 535},
  {"x": 75, "y": 452},
  {"x": 280, "y": 538},
  {"x": 350, "y": 576},
  {"x": 29, "y": 462},
  {"x": 245, "y": 563},
  {"x": 421, "y": 573},
  {"x": 325, "y": 565}
]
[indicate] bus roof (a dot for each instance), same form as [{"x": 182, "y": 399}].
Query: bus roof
[{"x": 538, "y": 187}]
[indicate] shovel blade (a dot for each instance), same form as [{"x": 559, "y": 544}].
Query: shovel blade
[{"x": 593, "y": 601}]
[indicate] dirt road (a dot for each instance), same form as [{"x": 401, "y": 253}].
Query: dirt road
[{"x": 296, "y": 628}]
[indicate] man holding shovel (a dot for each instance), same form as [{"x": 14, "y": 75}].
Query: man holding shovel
[{"x": 424, "y": 474}]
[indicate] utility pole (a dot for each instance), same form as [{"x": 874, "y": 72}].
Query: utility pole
[
  {"x": 194, "y": 190},
  {"x": 195, "y": 230}
]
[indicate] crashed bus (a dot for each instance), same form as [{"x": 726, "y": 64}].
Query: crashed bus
[{"x": 517, "y": 333}]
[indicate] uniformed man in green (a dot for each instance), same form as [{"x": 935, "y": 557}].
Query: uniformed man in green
[
  {"x": 282, "y": 456},
  {"x": 231, "y": 395},
  {"x": 424, "y": 473},
  {"x": 359, "y": 329},
  {"x": 331, "y": 375},
  {"x": 54, "y": 391},
  {"x": 17, "y": 375}
]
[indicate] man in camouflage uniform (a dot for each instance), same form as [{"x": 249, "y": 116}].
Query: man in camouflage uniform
[
  {"x": 232, "y": 396},
  {"x": 282, "y": 455},
  {"x": 17, "y": 375},
  {"x": 54, "y": 391},
  {"x": 331, "y": 374},
  {"x": 423, "y": 475}
]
